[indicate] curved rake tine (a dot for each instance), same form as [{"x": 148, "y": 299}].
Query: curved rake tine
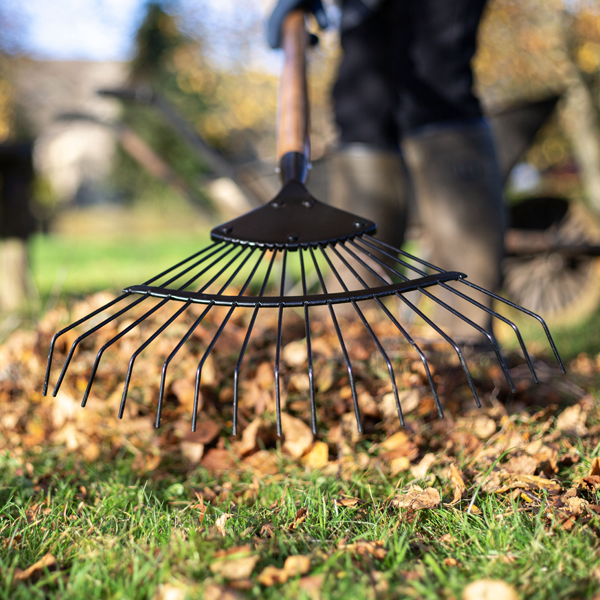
[
  {"x": 530, "y": 313},
  {"x": 184, "y": 339},
  {"x": 88, "y": 333},
  {"x": 366, "y": 324},
  {"x": 141, "y": 349},
  {"x": 236, "y": 373},
  {"x": 205, "y": 269},
  {"x": 111, "y": 342},
  {"x": 480, "y": 289},
  {"x": 342, "y": 345},
  {"x": 311, "y": 378},
  {"x": 427, "y": 320},
  {"x": 424, "y": 360},
  {"x": 465, "y": 319},
  {"x": 72, "y": 326},
  {"x": 278, "y": 347},
  {"x": 218, "y": 334}
]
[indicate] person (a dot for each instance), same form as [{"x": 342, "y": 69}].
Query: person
[{"x": 408, "y": 118}]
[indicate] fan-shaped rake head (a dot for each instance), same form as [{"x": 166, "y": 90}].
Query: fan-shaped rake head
[{"x": 294, "y": 253}]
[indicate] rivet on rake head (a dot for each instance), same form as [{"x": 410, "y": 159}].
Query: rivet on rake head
[
  {"x": 276, "y": 204},
  {"x": 225, "y": 229},
  {"x": 358, "y": 224},
  {"x": 308, "y": 203},
  {"x": 292, "y": 237}
]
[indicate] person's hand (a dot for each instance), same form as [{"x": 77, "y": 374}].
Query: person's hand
[{"x": 281, "y": 10}]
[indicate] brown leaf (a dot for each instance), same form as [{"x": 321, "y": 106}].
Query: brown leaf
[
  {"x": 521, "y": 465},
  {"x": 263, "y": 462},
  {"x": 217, "y": 461},
  {"x": 206, "y": 432},
  {"x": 299, "y": 519},
  {"x": 221, "y": 521},
  {"x": 349, "y": 502},
  {"x": 399, "y": 465},
  {"x": 572, "y": 420},
  {"x": 530, "y": 482},
  {"x": 168, "y": 591},
  {"x": 192, "y": 452},
  {"x": 221, "y": 592},
  {"x": 297, "y": 564},
  {"x": 418, "y": 499},
  {"x": 271, "y": 575},
  {"x": 317, "y": 457},
  {"x": 595, "y": 467},
  {"x": 489, "y": 589},
  {"x": 458, "y": 484},
  {"x": 298, "y": 435},
  {"x": 235, "y": 568},
  {"x": 245, "y": 549},
  {"x": 267, "y": 530},
  {"x": 45, "y": 562},
  {"x": 483, "y": 427},
  {"x": 311, "y": 586},
  {"x": 395, "y": 441},
  {"x": 450, "y": 562},
  {"x": 375, "y": 549},
  {"x": 295, "y": 353},
  {"x": 420, "y": 470}
]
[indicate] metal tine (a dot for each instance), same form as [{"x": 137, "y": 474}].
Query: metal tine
[
  {"x": 462, "y": 317},
  {"x": 278, "y": 348},
  {"x": 342, "y": 344},
  {"x": 141, "y": 349},
  {"x": 105, "y": 307},
  {"x": 193, "y": 327},
  {"x": 311, "y": 378},
  {"x": 480, "y": 289},
  {"x": 471, "y": 301},
  {"x": 408, "y": 338},
  {"x": 146, "y": 315},
  {"x": 236, "y": 373},
  {"x": 118, "y": 314},
  {"x": 220, "y": 331},
  {"x": 526, "y": 311},
  {"x": 427, "y": 320},
  {"x": 86, "y": 334}
]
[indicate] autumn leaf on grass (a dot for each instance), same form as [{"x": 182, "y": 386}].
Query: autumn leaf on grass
[
  {"x": 418, "y": 499},
  {"x": 489, "y": 589},
  {"x": 236, "y": 563},
  {"x": 294, "y": 565},
  {"x": 458, "y": 484},
  {"x": 298, "y": 435},
  {"x": 317, "y": 457},
  {"x": 349, "y": 502},
  {"x": 530, "y": 482},
  {"x": 419, "y": 471},
  {"x": 220, "y": 523},
  {"x": 365, "y": 548},
  {"x": 46, "y": 562},
  {"x": 220, "y": 592},
  {"x": 298, "y": 519}
]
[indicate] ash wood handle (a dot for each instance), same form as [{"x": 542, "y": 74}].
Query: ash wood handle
[{"x": 292, "y": 134}]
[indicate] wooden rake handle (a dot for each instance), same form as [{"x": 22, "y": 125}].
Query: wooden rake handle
[{"x": 292, "y": 134}]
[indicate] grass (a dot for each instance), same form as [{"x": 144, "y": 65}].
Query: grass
[{"x": 118, "y": 535}]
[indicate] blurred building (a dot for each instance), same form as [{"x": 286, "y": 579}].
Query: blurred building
[{"x": 73, "y": 156}]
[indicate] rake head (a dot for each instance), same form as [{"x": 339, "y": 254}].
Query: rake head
[{"x": 294, "y": 253}]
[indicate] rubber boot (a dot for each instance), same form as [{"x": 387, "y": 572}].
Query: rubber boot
[
  {"x": 457, "y": 182},
  {"x": 372, "y": 184}
]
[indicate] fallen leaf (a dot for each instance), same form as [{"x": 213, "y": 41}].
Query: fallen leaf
[
  {"x": 245, "y": 549},
  {"x": 298, "y": 519},
  {"x": 217, "y": 461},
  {"x": 297, "y": 564},
  {"x": 521, "y": 465},
  {"x": 489, "y": 589},
  {"x": 419, "y": 471},
  {"x": 168, "y": 591},
  {"x": 349, "y": 502},
  {"x": 458, "y": 484},
  {"x": 483, "y": 427},
  {"x": 220, "y": 523},
  {"x": 399, "y": 465},
  {"x": 450, "y": 562},
  {"x": 375, "y": 549},
  {"x": 271, "y": 575},
  {"x": 418, "y": 499},
  {"x": 317, "y": 457},
  {"x": 235, "y": 568},
  {"x": 572, "y": 420},
  {"x": 45, "y": 562},
  {"x": 295, "y": 354},
  {"x": 293, "y": 566},
  {"x": 395, "y": 441},
  {"x": 192, "y": 452},
  {"x": 595, "y": 467},
  {"x": 221, "y": 592},
  {"x": 298, "y": 435},
  {"x": 311, "y": 586}
]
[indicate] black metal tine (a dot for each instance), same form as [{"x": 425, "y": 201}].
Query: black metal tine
[
  {"x": 465, "y": 319},
  {"x": 219, "y": 332},
  {"x": 311, "y": 378},
  {"x": 88, "y": 333},
  {"x": 141, "y": 349},
  {"x": 478, "y": 288},
  {"x": 72, "y": 326},
  {"x": 278, "y": 347},
  {"x": 525, "y": 311},
  {"x": 210, "y": 266},
  {"x": 111, "y": 342},
  {"x": 143, "y": 318},
  {"x": 341, "y": 340},
  {"x": 367, "y": 325},
  {"x": 236, "y": 373},
  {"x": 427, "y": 320},
  {"x": 189, "y": 332},
  {"x": 101, "y": 309}
]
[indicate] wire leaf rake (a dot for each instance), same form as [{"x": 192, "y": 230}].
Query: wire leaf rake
[{"x": 253, "y": 259}]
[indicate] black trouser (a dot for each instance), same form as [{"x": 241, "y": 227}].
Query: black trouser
[{"x": 407, "y": 66}]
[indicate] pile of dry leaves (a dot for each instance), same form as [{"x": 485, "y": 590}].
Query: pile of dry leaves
[{"x": 516, "y": 445}]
